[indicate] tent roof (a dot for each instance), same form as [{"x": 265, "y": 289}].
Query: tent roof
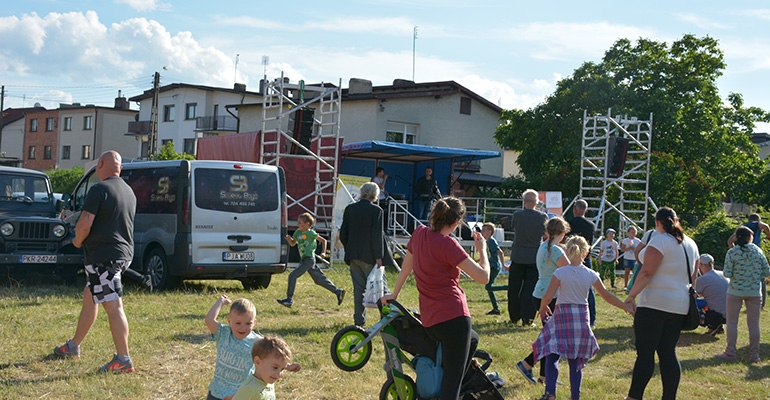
[{"x": 392, "y": 151}]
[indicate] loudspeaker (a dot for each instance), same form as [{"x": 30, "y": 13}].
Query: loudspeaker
[
  {"x": 617, "y": 149},
  {"x": 301, "y": 122}
]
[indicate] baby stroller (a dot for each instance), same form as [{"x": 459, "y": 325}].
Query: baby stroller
[{"x": 402, "y": 333}]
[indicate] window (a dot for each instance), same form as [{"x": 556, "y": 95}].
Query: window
[
  {"x": 67, "y": 123},
  {"x": 189, "y": 112},
  {"x": 247, "y": 191},
  {"x": 465, "y": 105},
  {"x": 88, "y": 122},
  {"x": 86, "y": 154},
  {"x": 65, "y": 152},
  {"x": 166, "y": 141},
  {"x": 168, "y": 113},
  {"x": 47, "y": 153},
  {"x": 189, "y": 146},
  {"x": 402, "y": 133},
  {"x": 33, "y": 125},
  {"x": 31, "y": 153},
  {"x": 49, "y": 124}
]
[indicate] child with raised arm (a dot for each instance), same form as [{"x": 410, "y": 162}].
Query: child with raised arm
[
  {"x": 271, "y": 357},
  {"x": 305, "y": 239},
  {"x": 234, "y": 342},
  {"x": 567, "y": 332}
]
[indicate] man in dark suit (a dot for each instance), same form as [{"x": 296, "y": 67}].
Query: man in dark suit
[{"x": 362, "y": 235}]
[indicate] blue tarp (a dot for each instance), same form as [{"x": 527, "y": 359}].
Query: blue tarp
[{"x": 392, "y": 151}]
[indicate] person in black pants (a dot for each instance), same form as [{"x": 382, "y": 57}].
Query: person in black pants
[
  {"x": 580, "y": 225},
  {"x": 529, "y": 232}
]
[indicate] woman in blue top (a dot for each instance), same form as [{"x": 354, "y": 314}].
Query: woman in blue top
[
  {"x": 746, "y": 266},
  {"x": 550, "y": 256}
]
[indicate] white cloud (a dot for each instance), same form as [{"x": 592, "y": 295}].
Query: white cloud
[
  {"x": 391, "y": 26},
  {"x": 701, "y": 22},
  {"x": 140, "y": 5},
  {"x": 571, "y": 41}
]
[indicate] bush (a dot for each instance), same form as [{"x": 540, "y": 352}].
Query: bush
[
  {"x": 712, "y": 233},
  {"x": 64, "y": 180}
]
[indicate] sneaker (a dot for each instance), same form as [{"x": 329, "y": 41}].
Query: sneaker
[
  {"x": 715, "y": 331},
  {"x": 67, "y": 350},
  {"x": 340, "y": 296},
  {"x": 287, "y": 302},
  {"x": 526, "y": 372},
  {"x": 725, "y": 356},
  {"x": 117, "y": 367},
  {"x": 147, "y": 282},
  {"x": 494, "y": 312},
  {"x": 754, "y": 359}
]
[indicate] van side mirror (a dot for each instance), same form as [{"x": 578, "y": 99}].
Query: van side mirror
[{"x": 65, "y": 203}]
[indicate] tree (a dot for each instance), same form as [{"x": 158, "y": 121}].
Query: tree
[
  {"x": 167, "y": 152},
  {"x": 702, "y": 145}
]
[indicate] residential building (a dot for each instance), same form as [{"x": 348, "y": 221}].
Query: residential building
[
  {"x": 187, "y": 112},
  {"x": 40, "y": 139},
  {"x": 85, "y": 132},
  {"x": 12, "y": 129}
]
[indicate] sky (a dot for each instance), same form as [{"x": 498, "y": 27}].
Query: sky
[{"x": 510, "y": 52}]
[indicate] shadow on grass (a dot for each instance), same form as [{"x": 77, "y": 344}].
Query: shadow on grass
[
  {"x": 754, "y": 373},
  {"x": 193, "y": 338}
]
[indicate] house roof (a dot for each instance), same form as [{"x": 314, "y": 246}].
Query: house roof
[
  {"x": 411, "y": 152},
  {"x": 468, "y": 178},
  {"x": 149, "y": 92},
  {"x": 406, "y": 89},
  {"x": 11, "y": 115}
]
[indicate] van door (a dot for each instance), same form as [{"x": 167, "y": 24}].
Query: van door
[{"x": 235, "y": 216}]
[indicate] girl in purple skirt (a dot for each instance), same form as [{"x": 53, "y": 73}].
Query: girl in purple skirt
[{"x": 567, "y": 332}]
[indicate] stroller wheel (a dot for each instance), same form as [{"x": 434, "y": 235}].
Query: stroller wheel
[
  {"x": 347, "y": 338},
  {"x": 389, "y": 390}
]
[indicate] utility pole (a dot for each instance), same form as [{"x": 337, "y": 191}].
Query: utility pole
[
  {"x": 2, "y": 109},
  {"x": 414, "y": 48},
  {"x": 153, "y": 137}
]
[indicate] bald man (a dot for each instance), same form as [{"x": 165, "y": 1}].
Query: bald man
[{"x": 105, "y": 231}]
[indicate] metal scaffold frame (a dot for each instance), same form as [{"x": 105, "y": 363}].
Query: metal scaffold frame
[
  {"x": 627, "y": 194},
  {"x": 280, "y": 103}
]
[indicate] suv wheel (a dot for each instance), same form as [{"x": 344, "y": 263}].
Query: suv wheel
[{"x": 257, "y": 282}]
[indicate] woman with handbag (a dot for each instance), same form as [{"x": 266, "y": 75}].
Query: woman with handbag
[
  {"x": 662, "y": 288},
  {"x": 746, "y": 266},
  {"x": 437, "y": 259}
]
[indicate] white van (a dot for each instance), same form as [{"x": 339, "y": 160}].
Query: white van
[{"x": 205, "y": 220}]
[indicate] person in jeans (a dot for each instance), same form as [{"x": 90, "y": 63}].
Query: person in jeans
[
  {"x": 662, "y": 288},
  {"x": 105, "y": 231},
  {"x": 712, "y": 285},
  {"x": 746, "y": 266}
]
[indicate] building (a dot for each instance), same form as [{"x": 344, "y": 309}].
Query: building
[
  {"x": 41, "y": 139},
  {"x": 12, "y": 129},
  {"x": 187, "y": 112}
]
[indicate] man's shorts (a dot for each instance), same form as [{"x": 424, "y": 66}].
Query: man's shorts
[
  {"x": 628, "y": 264},
  {"x": 103, "y": 280}
]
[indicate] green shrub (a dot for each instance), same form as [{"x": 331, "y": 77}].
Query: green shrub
[{"x": 64, "y": 180}]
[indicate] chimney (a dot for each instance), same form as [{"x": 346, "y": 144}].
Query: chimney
[
  {"x": 359, "y": 86},
  {"x": 120, "y": 102},
  {"x": 239, "y": 87}
]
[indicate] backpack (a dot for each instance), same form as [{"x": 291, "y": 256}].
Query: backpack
[{"x": 429, "y": 375}]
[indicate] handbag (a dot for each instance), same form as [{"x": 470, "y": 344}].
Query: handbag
[
  {"x": 692, "y": 319},
  {"x": 375, "y": 287}
]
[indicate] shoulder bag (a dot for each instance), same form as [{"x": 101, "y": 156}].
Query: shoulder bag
[{"x": 692, "y": 319}]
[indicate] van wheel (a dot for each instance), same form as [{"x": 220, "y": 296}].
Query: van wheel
[
  {"x": 155, "y": 265},
  {"x": 258, "y": 282}
]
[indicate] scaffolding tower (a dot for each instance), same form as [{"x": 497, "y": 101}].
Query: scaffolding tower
[
  {"x": 302, "y": 122},
  {"x": 615, "y": 170}
]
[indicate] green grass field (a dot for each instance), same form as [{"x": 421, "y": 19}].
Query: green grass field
[{"x": 174, "y": 355}]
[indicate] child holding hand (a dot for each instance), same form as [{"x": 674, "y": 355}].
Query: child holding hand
[{"x": 567, "y": 332}]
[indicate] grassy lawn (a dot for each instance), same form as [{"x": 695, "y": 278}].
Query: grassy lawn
[{"x": 174, "y": 355}]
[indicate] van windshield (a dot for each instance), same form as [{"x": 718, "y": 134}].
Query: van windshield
[{"x": 236, "y": 190}]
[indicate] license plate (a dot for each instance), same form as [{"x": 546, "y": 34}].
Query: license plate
[
  {"x": 238, "y": 256},
  {"x": 38, "y": 259}
]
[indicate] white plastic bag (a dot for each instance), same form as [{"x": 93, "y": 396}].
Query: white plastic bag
[{"x": 375, "y": 287}]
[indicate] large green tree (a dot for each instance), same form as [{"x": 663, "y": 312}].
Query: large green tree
[{"x": 701, "y": 143}]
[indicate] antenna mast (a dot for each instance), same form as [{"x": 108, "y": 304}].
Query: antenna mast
[
  {"x": 414, "y": 47},
  {"x": 235, "y": 74}
]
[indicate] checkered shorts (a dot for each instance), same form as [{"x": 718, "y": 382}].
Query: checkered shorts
[{"x": 103, "y": 280}]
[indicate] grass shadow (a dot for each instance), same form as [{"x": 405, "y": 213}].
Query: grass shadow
[{"x": 193, "y": 338}]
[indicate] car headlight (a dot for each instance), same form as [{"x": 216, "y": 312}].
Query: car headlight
[
  {"x": 59, "y": 230},
  {"x": 6, "y": 229}
]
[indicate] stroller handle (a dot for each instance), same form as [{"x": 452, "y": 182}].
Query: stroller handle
[{"x": 408, "y": 314}]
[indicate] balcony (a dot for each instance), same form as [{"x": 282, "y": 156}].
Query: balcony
[
  {"x": 139, "y": 127},
  {"x": 221, "y": 123}
]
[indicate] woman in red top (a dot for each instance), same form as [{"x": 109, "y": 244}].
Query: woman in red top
[{"x": 436, "y": 259}]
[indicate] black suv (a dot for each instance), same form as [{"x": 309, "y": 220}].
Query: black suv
[{"x": 31, "y": 234}]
